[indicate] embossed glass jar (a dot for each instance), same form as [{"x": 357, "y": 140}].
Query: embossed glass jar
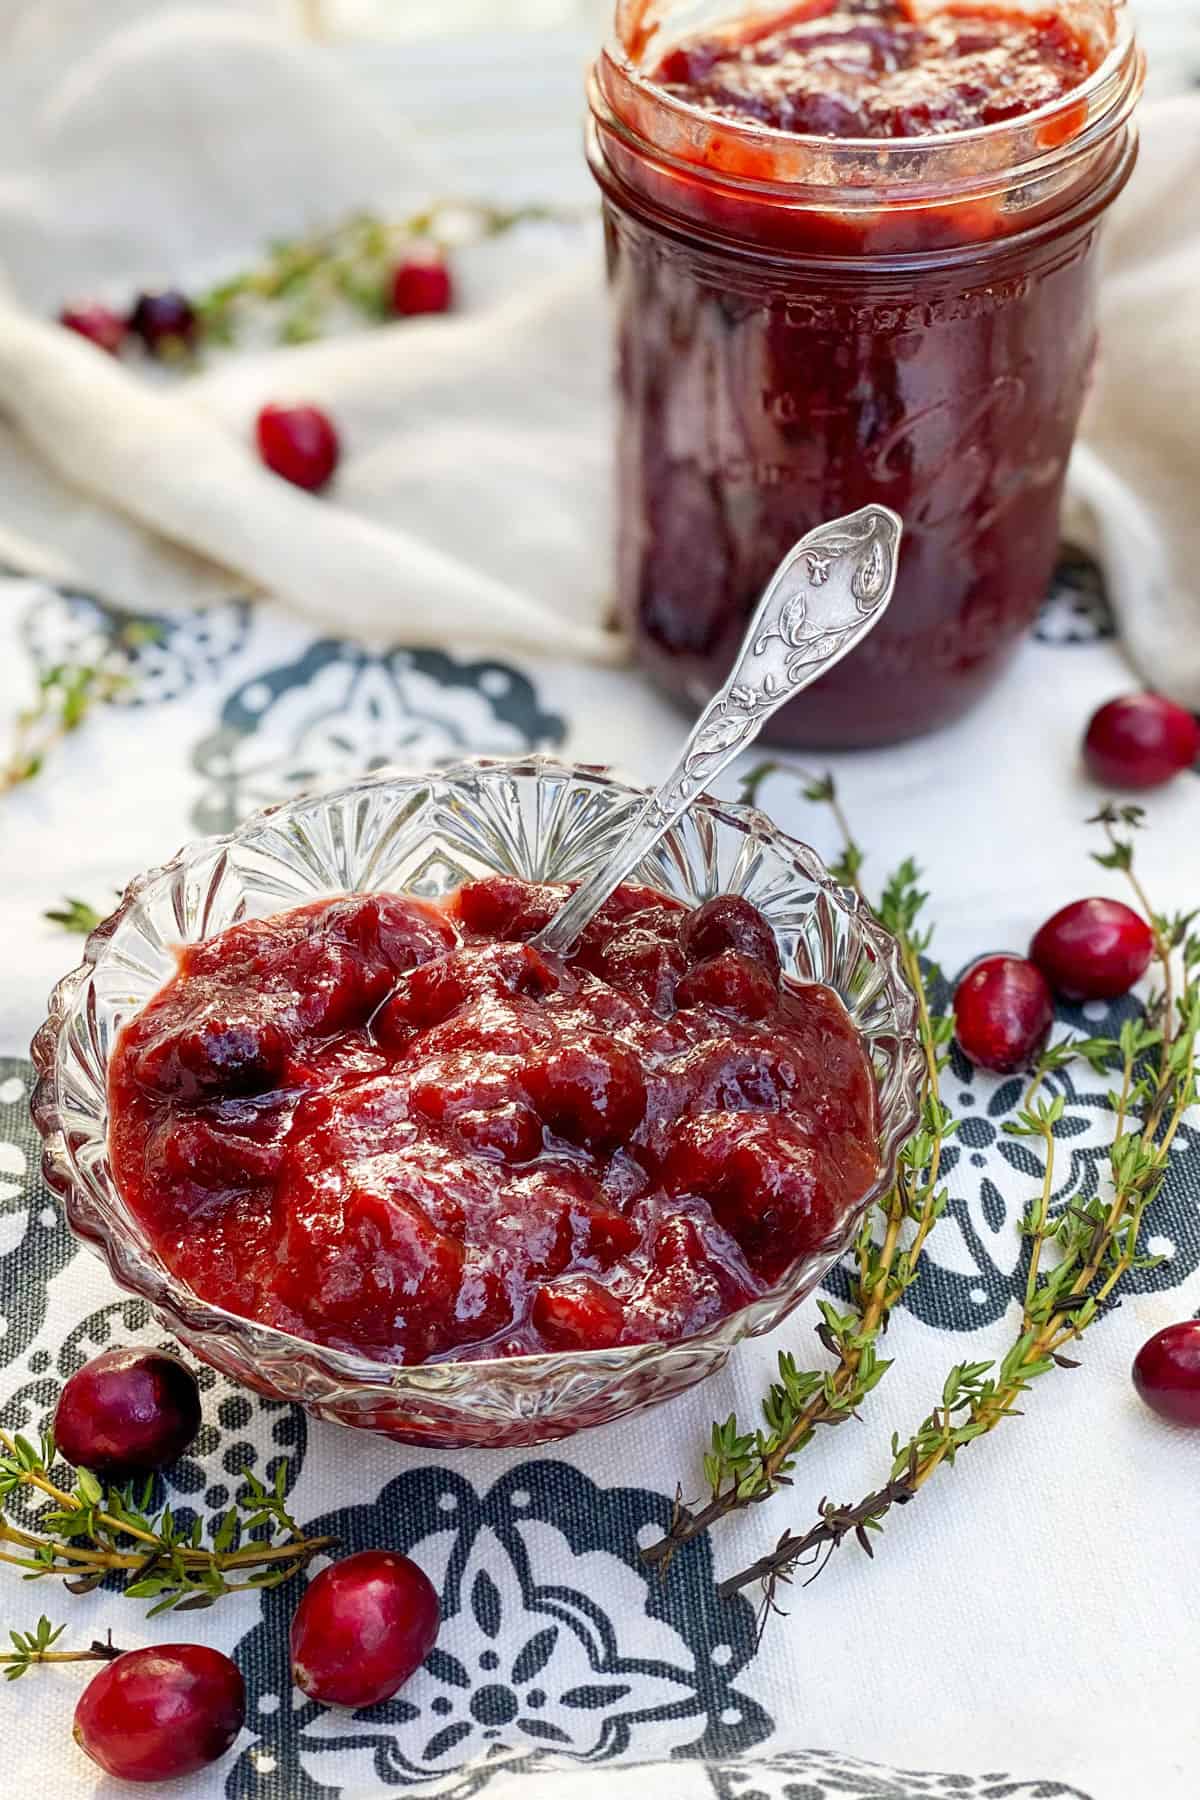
[{"x": 806, "y": 325}]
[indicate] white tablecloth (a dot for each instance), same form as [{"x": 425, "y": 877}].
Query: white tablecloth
[{"x": 1027, "y": 1628}]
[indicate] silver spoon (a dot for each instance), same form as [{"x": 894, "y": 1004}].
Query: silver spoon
[{"x": 825, "y": 597}]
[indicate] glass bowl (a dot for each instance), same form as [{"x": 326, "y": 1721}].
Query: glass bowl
[{"x": 426, "y": 833}]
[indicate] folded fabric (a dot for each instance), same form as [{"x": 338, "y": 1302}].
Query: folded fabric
[
  {"x": 1132, "y": 490},
  {"x": 472, "y": 502},
  {"x": 493, "y": 510}
]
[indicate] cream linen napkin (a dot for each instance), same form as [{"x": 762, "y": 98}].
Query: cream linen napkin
[
  {"x": 473, "y": 501},
  {"x": 1132, "y": 493},
  {"x": 472, "y": 498}
]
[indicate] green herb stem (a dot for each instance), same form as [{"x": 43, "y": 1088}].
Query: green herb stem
[
  {"x": 35, "y": 1646},
  {"x": 1097, "y": 1242},
  {"x": 745, "y": 1468},
  {"x": 166, "y": 1564}
]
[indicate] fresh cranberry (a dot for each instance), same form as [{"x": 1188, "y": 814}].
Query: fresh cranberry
[
  {"x": 1141, "y": 741},
  {"x": 1094, "y": 950},
  {"x": 421, "y": 286},
  {"x": 299, "y": 443},
  {"x": 364, "y": 1626},
  {"x": 161, "y": 1712},
  {"x": 166, "y": 322},
  {"x": 729, "y": 922},
  {"x": 576, "y": 1313},
  {"x": 99, "y": 324},
  {"x": 1003, "y": 1011},
  {"x": 127, "y": 1412},
  {"x": 1166, "y": 1373}
]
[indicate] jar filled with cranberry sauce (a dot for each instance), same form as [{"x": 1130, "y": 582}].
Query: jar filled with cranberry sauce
[{"x": 853, "y": 255}]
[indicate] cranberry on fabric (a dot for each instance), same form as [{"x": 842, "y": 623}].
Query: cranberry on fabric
[
  {"x": 1166, "y": 1373},
  {"x": 99, "y": 324},
  {"x": 1094, "y": 950},
  {"x": 162, "y": 1712},
  {"x": 1141, "y": 741},
  {"x": 166, "y": 322},
  {"x": 298, "y": 442},
  {"x": 420, "y": 287},
  {"x": 364, "y": 1626},
  {"x": 127, "y": 1412},
  {"x": 1003, "y": 1011}
]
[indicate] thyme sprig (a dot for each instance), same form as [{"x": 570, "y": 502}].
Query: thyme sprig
[
  {"x": 89, "y": 1532},
  {"x": 302, "y": 281},
  {"x": 66, "y": 695},
  {"x": 37, "y": 1646},
  {"x": 1077, "y": 1260},
  {"x": 74, "y": 915},
  {"x": 744, "y": 1467}
]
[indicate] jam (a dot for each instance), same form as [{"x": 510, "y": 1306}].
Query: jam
[
  {"x": 874, "y": 69},
  {"x": 396, "y": 1128},
  {"x": 853, "y": 261}
]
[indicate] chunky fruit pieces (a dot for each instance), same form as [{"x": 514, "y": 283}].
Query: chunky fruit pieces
[
  {"x": 882, "y": 69},
  {"x": 400, "y": 1129}
]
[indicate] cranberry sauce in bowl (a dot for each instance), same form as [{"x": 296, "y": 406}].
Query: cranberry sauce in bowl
[
  {"x": 263, "y": 1041},
  {"x": 853, "y": 256},
  {"x": 395, "y": 1128}
]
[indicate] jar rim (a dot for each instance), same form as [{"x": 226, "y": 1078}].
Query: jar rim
[{"x": 973, "y": 163}]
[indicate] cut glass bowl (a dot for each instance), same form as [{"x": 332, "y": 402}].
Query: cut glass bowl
[{"x": 425, "y": 834}]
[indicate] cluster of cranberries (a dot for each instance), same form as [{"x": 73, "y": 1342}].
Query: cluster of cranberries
[
  {"x": 1004, "y": 1006},
  {"x": 298, "y": 442},
  {"x": 363, "y": 1627},
  {"x": 1092, "y": 949},
  {"x": 167, "y": 323}
]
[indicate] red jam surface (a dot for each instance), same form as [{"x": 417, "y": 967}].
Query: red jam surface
[
  {"x": 789, "y": 351},
  {"x": 874, "y": 69},
  {"x": 396, "y": 1128}
]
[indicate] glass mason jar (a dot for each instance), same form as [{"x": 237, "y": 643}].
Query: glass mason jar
[{"x": 805, "y": 325}]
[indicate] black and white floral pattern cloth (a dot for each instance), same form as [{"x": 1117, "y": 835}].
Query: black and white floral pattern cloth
[{"x": 563, "y": 1666}]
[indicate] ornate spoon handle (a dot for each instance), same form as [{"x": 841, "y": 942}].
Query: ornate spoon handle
[{"x": 825, "y": 597}]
